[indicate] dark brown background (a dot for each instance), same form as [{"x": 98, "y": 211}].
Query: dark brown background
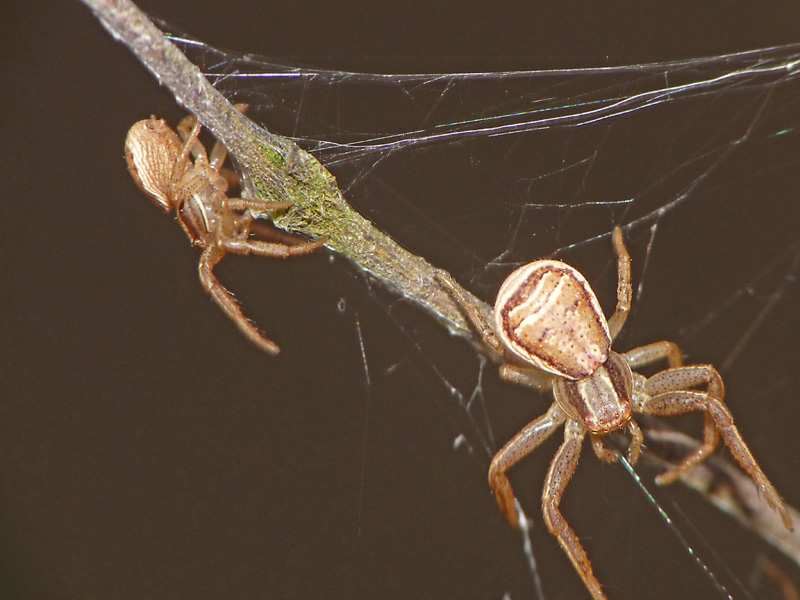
[{"x": 147, "y": 450}]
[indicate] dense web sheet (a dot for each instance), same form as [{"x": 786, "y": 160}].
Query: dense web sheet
[
  {"x": 481, "y": 172},
  {"x": 674, "y": 126}
]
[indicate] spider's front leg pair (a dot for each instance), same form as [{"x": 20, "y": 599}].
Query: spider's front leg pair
[{"x": 159, "y": 162}]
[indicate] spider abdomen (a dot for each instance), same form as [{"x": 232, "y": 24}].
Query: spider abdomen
[{"x": 547, "y": 314}]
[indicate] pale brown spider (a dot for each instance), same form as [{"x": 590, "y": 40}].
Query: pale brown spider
[
  {"x": 550, "y": 328},
  {"x": 159, "y": 163}
]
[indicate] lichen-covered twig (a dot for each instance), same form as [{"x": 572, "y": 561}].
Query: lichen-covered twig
[{"x": 276, "y": 169}]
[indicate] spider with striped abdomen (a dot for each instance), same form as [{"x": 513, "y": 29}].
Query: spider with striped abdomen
[
  {"x": 551, "y": 331},
  {"x": 159, "y": 161}
]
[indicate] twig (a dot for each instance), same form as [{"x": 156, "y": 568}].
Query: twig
[{"x": 275, "y": 168}]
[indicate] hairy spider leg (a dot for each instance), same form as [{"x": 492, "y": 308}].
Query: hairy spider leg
[
  {"x": 517, "y": 448},
  {"x": 666, "y": 394},
  {"x": 617, "y": 320},
  {"x": 558, "y": 476}
]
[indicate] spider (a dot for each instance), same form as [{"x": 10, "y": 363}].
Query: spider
[
  {"x": 550, "y": 329},
  {"x": 159, "y": 162}
]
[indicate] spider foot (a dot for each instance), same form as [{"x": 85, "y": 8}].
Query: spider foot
[
  {"x": 675, "y": 473},
  {"x": 308, "y": 247},
  {"x": 787, "y": 520},
  {"x": 669, "y": 476},
  {"x": 505, "y": 496}
]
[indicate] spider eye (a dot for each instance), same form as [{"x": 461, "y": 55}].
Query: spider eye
[{"x": 610, "y": 419}]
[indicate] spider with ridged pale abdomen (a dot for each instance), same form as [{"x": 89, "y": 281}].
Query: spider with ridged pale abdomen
[
  {"x": 159, "y": 161},
  {"x": 550, "y": 330}
]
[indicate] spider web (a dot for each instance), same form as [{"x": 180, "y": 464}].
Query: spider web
[{"x": 482, "y": 172}]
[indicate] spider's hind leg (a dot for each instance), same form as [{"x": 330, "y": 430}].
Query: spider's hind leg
[{"x": 668, "y": 396}]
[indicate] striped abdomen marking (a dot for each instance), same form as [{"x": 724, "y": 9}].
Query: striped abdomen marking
[{"x": 548, "y": 315}]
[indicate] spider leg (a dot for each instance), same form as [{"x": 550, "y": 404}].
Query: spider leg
[
  {"x": 525, "y": 442},
  {"x": 217, "y": 156},
  {"x": 646, "y": 355},
  {"x": 473, "y": 314},
  {"x": 208, "y": 260},
  {"x": 532, "y": 378},
  {"x": 237, "y": 217},
  {"x": 218, "y": 151},
  {"x": 189, "y": 130},
  {"x": 664, "y": 390},
  {"x": 718, "y": 421},
  {"x": 637, "y": 439},
  {"x": 239, "y": 246},
  {"x": 617, "y": 320},
  {"x": 678, "y": 403},
  {"x": 237, "y": 241},
  {"x": 259, "y": 206},
  {"x": 634, "y": 448},
  {"x": 603, "y": 453},
  {"x": 558, "y": 476}
]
